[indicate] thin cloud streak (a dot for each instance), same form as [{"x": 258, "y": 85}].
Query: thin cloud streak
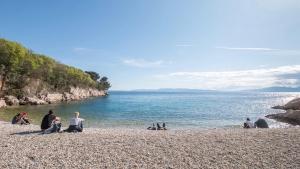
[
  {"x": 248, "y": 49},
  {"x": 141, "y": 63}
]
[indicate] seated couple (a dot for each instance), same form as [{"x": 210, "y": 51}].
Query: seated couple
[
  {"x": 158, "y": 127},
  {"x": 260, "y": 123},
  {"x": 21, "y": 118},
  {"x": 51, "y": 123}
]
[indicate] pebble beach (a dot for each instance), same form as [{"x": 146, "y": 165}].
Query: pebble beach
[{"x": 26, "y": 147}]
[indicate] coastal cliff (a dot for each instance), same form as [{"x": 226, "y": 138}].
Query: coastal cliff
[{"x": 28, "y": 78}]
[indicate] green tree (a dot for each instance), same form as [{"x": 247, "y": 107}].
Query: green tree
[{"x": 94, "y": 75}]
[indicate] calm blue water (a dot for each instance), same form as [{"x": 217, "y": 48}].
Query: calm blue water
[{"x": 178, "y": 110}]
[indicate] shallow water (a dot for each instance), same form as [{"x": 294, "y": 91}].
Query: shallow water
[{"x": 178, "y": 110}]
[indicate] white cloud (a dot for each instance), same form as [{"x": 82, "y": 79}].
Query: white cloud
[
  {"x": 141, "y": 63},
  {"x": 234, "y": 80},
  {"x": 247, "y": 49}
]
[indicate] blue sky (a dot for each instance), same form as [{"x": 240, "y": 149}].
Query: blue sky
[{"x": 204, "y": 44}]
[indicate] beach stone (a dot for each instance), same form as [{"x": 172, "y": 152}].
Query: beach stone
[
  {"x": 11, "y": 100},
  {"x": 290, "y": 116},
  {"x": 2, "y": 103}
]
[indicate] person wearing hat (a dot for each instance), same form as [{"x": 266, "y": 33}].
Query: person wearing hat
[{"x": 76, "y": 124}]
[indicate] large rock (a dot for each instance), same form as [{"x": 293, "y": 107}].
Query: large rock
[
  {"x": 291, "y": 117},
  {"x": 2, "y": 103},
  {"x": 11, "y": 100},
  {"x": 293, "y": 104},
  {"x": 53, "y": 97},
  {"x": 80, "y": 93}
]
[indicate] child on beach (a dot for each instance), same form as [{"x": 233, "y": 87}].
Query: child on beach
[{"x": 76, "y": 124}]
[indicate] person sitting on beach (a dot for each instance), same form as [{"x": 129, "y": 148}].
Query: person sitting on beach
[
  {"x": 55, "y": 126},
  {"x": 261, "y": 123},
  {"x": 164, "y": 126},
  {"x": 248, "y": 124},
  {"x": 21, "y": 118},
  {"x": 152, "y": 128},
  {"x": 158, "y": 126},
  {"x": 76, "y": 124},
  {"x": 47, "y": 120}
]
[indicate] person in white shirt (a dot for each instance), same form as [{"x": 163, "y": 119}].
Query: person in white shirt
[
  {"x": 248, "y": 123},
  {"x": 76, "y": 124}
]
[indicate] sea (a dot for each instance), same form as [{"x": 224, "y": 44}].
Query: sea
[{"x": 178, "y": 110}]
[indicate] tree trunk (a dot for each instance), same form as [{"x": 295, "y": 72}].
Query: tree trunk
[{"x": 3, "y": 81}]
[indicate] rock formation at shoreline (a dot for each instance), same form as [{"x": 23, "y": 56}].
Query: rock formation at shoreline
[
  {"x": 73, "y": 94},
  {"x": 292, "y": 114}
]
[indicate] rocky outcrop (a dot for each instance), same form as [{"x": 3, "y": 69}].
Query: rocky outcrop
[
  {"x": 2, "y": 103},
  {"x": 293, "y": 104},
  {"x": 292, "y": 114},
  {"x": 80, "y": 93},
  {"x": 11, "y": 100},
  {"x": 53, "y": 97},
  {"x": 74, "y": 93},
  {"x": 31, "y": 101}
]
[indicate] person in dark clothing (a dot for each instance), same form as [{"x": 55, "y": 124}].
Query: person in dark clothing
[
  {"x": 152, "y": 128},
  {"x": 47, "y": 120},
  {"x": 261, "y": 123},
  {"x": 158, "y": 126},
  {"x": 164, "y": 126}
]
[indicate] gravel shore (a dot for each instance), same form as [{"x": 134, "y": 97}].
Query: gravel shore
[{"x": 25, "y": 147}]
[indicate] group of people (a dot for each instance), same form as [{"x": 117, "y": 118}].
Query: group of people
[
  {"x": 260, "y": 123},
  {"x": 51, "y": 123},
  {"x": 158, "y": 127}
]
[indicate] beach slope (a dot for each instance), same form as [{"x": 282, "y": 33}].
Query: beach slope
[{"x": 24, "y": 147}]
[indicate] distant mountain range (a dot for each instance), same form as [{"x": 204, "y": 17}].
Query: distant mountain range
[
  {"x": 269, "y": 89},
  {"x": 278, "y": 89},
  {"x": 172, "y": 90}
]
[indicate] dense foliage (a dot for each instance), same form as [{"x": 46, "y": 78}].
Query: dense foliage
[{"x": 19, "y": 65}]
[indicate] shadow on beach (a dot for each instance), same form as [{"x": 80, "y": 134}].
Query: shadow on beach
[{"x": 28, "y": 132}]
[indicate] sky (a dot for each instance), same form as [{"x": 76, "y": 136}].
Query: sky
[{"x": 150, "y": 44}]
